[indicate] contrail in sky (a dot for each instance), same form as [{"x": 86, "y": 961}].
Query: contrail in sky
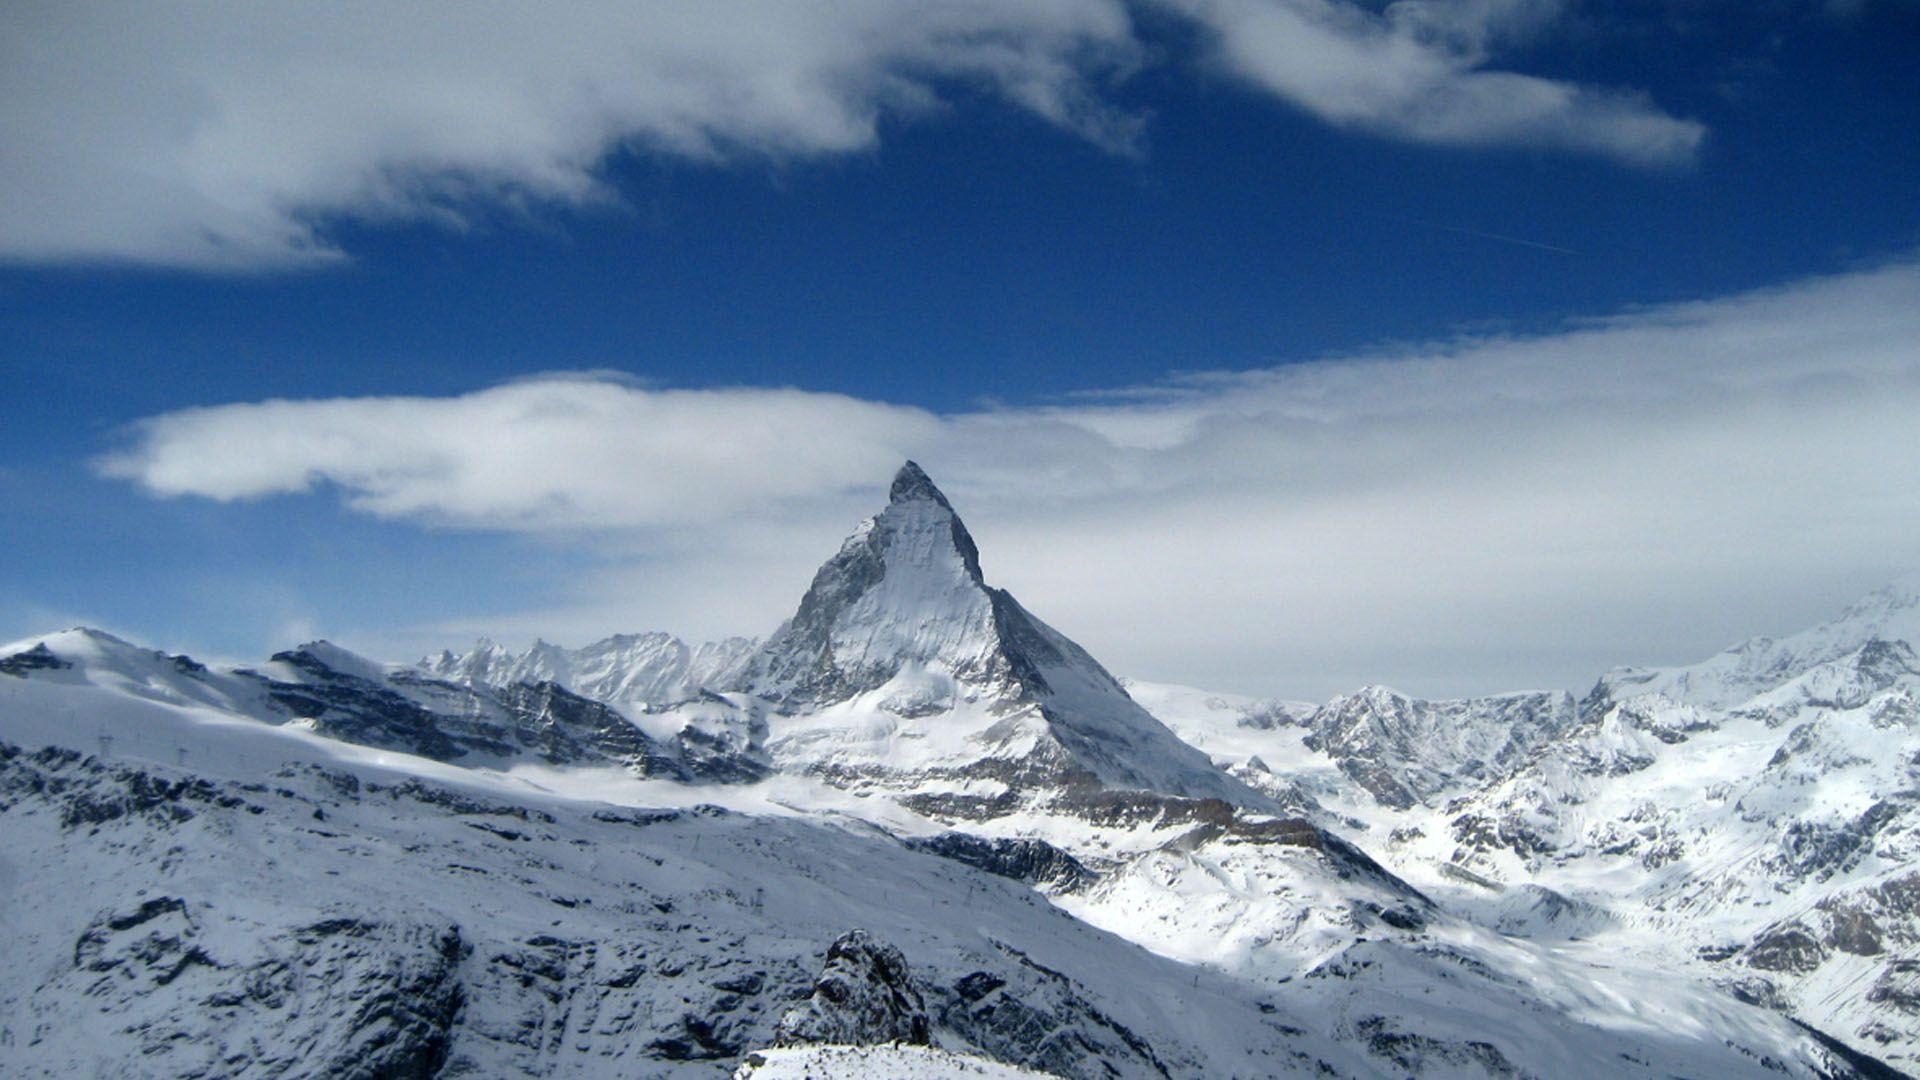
[{"x": 1463, "y": 231}]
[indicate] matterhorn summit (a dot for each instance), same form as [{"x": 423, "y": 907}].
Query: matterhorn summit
[
  {"x": 903, "y": 665},
  {"x": 904, "y": 595}
]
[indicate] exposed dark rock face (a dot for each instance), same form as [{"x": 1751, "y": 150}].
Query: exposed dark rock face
[
  {"x": 1788, "y": 948},
  {"x": 1899, "y": 986},
  {"x": 1477, "y": 832},
  {"x": 146, "y": 947},
  {"x": 353, "y": 709},
  {"x": 403, "y": 981},
  {"x": 71, "y": 783},
  {"x": 412, "y": 712},
  {"x": 1864, "y": 1067},
  {"x": 1420, "y": 1055},
  {"x": 1038, "y": 1018},
  {"x": 732, "y": 751},
  {"x": 865, "y": 995},
  {"x": 345, "y": 996},
  {"x": 1873, "y": 922},
  {"x": 561, "y": 727},
  {"x": 1815, "y": 851},
  {"x": 1406, "y": 751},
  {"x": 1035, "y": 862},
  {"x": 453, "y": 801},
  {"x": 38, "y": 658},
  {"x": 1020, "y": 1012}
]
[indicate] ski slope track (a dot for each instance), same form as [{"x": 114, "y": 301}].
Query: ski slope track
[{"x": 915, "y": 831}]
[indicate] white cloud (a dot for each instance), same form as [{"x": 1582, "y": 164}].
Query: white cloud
[
  {"x": 567, "y": 453},
  {"x": 217, "y": 134},
  {"x": 1417, "y": 70},
  {"x": 226, "y": 134},
  {"x": 1473, "y": 515}
]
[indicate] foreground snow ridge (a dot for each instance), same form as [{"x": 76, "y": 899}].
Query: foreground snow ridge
[
  {"x": 873, "y": 1063},
  {"x": 916, "y": 831}
]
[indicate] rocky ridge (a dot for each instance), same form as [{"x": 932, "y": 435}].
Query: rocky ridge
[
  {"x": 194, "y": 926},
  {"x": 1753, "y": 819},
  {"x": 627, "y": 669}
]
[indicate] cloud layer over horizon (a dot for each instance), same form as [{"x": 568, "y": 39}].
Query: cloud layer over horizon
[
  {"x": 1465, "y": 516},
  {"x": 230, "y": 136}
]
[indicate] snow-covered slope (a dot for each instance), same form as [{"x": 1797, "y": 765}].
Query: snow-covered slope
[
  {"x": 289, "y": 905},
  {"x": 214, "y": 894},
  {"x": 1760, "y": 664},
  {"x": 1753, "y": 819},
  {"x": 1775, "y": 845},
  {"x": 869, "y": 1062},
  {"x": 327, "y": 689}
]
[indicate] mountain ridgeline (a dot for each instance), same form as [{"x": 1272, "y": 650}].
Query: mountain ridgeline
[{"x": 952, "y": 844}]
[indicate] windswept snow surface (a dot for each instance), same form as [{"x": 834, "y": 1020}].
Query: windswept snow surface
[{"x": 872, "y": 1063}]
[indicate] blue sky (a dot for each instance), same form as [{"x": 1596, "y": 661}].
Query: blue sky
[{"x": 1038, "y": 218}]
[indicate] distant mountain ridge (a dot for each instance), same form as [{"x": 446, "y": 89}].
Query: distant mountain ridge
[
  {"x": 644, "y": 669},
  {"x": 1891, "y": 613},
  {"x": 1754, "y": 817}
]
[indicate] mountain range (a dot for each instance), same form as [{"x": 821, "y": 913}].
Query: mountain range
[{"x": 917, "y": 831}]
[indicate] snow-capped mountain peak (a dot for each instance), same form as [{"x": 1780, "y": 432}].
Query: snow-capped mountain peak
[
  {"x": 901, "y": 660},
  {"x": 329, "y": 661},
  {"x": 912, "y": 484},
  {"x": 1760, "y": 664},
  {"x": 905, "y": 590}
]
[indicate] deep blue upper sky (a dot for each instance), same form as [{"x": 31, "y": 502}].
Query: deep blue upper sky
[
  {"x": 986, "y": 255},
  {"x": 974, "y": 255}
]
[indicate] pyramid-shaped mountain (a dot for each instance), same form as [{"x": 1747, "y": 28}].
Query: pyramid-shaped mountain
[{"x": 901, "y": 662}]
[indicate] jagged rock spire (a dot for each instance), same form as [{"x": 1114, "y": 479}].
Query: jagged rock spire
[
  {"x": 864, "y": 997},
  {"x": 912, "y": 482},
  {"x": 902, "y": 618},
  {"x": 904, "y": 589},
  {"x": 911, "y": 485}
]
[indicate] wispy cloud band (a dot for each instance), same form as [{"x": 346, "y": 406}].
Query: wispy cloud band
[{"x": 226, "y": 135}]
